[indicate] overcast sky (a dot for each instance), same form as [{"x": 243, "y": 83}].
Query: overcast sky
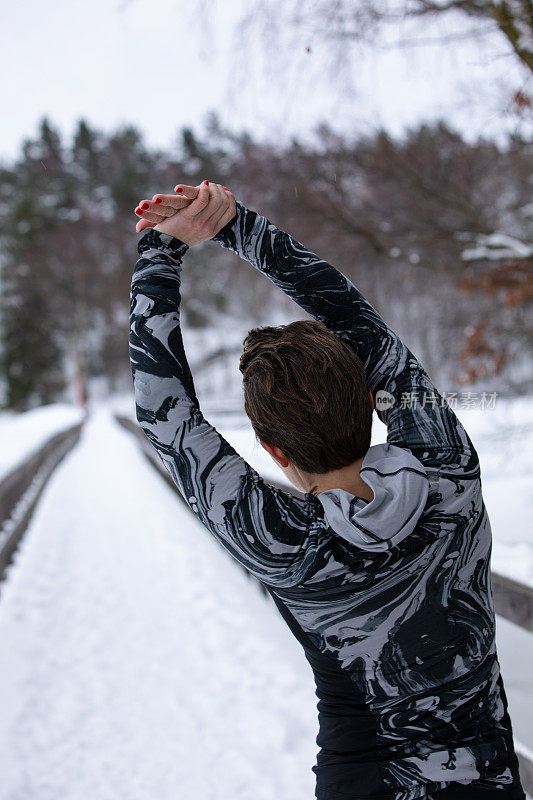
[{"x": 115, "y": 62}]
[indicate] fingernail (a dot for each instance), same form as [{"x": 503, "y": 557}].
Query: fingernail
[
  {"x": 158, "y": 200},
  {"x": 178, "y": 190},
  {"x": 226, "y": 188},
  {"x": 206, "y": 183},
  {"x": 138, "y": 211},
  {"x": 144, "y": 206}
]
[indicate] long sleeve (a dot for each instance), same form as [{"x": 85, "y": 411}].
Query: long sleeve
[
  {"x": 267, "y": 530},
  {"x": 416, "y": 414}
]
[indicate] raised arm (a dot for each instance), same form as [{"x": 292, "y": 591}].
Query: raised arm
[
  {"x": 265, "y": 529},
  {"x": 419, "y": 417}
]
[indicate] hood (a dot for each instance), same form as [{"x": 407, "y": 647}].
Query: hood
[{"x": 400, "y": 485}]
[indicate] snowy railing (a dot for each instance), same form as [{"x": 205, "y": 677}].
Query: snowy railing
[
  {"x": 513, "y": 600},
  {"x": 21, "y": 488}
]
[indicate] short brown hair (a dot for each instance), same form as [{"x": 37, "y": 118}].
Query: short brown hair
[{"x": 305, "y": 391}]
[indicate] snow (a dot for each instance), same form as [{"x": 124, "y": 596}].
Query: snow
[
  {"x": 518, "y": 680},
  {"x": 21, "y": 435},
  {"x": 503, "y": 437},
  {"x": 496, "y": 246}
]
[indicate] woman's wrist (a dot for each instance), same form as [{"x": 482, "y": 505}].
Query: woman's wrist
[
  {"x": 152, "y": 238},
  {"x": 228, "y": 227}
]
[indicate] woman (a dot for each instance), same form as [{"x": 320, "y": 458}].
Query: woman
[{"x": 382, "y": 569}]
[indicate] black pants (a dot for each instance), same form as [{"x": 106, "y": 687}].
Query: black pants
[{"x": 457, "y": 791}]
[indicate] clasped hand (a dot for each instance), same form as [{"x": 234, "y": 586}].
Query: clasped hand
[{"x": 193, "y": 215}]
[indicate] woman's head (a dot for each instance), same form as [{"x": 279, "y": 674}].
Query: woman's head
[{"x": 305, "y": 392}]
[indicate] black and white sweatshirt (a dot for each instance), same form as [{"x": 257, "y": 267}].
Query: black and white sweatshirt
[{"x": 390, "y": 599}]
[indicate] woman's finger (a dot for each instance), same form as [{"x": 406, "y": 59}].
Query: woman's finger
[
  {"x": 163, "y": 208},
  {"x": 151, "y": 216},
  {"x": 197, "y": 209},
  {"x": 168, "y": 204},
  {"x": 219, "y": 205},
  {"x": 190, "y": 192},
  {"x": 223, "y": 210},
  {"x": 211, "y": 204},
  {"x": 142, "y": 224}
]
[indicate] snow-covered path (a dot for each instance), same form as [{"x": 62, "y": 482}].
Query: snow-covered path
[{"x": 138, "y": 661}]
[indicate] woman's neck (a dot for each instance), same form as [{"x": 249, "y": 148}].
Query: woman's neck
[{"x": 347, "y": 478}]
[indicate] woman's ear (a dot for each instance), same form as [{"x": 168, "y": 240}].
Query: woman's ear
[
  {"x": 372, "y": 405},
  {"x": 277, "y": 454}
]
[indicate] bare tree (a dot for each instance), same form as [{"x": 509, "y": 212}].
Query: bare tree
[
  {"x": 344, "y": 20},
  {"x": 323, "y": 42},
  {"x": 513, "y": 18}
]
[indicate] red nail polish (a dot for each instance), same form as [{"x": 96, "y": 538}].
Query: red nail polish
[
  {"x": 138, "y": 211},
  {"x": 226, "y": 188},
  {"x": 158, "y": 200},
  {"x": 206, "y": 183},
  {"x": 179, "y": 189},
  {"x": 144, "y": 206}
]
